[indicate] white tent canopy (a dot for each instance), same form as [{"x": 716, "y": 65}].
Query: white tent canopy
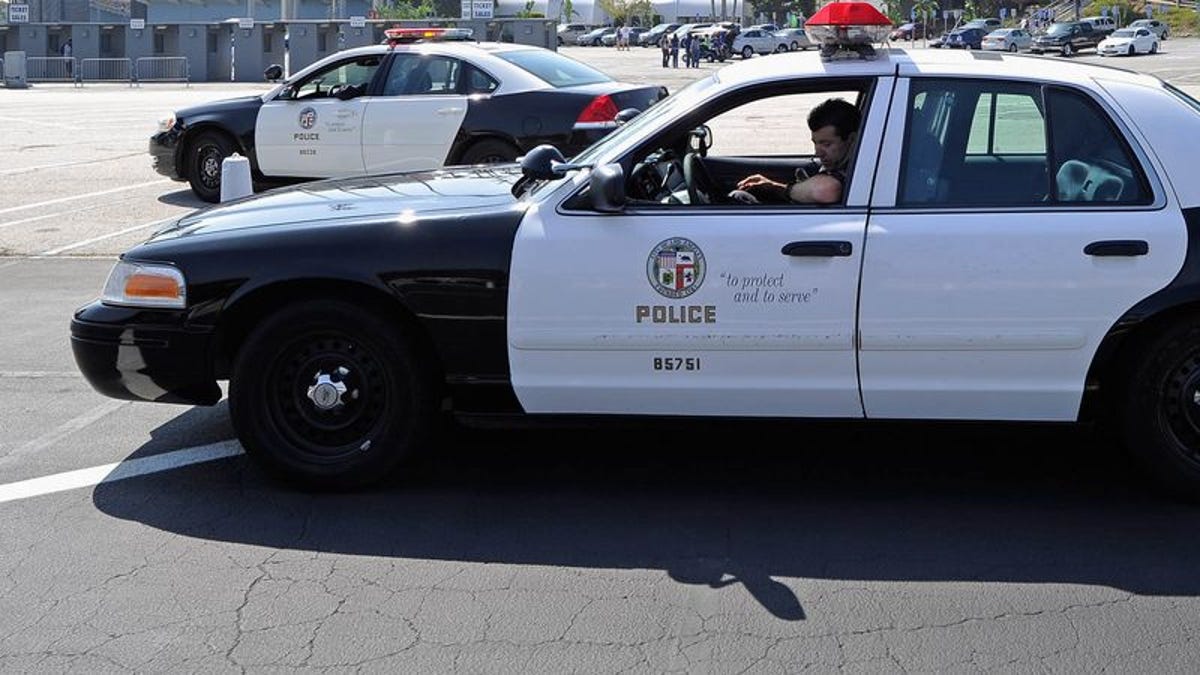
[{"x": 588, "y": 11}]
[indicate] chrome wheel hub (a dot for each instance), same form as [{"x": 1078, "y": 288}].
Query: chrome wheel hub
[{"x": 326, "y": 392}]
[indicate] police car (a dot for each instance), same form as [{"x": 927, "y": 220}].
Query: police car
[
  {"x": 1018, "y": 239},
  {"x": 425, "y": 99}
]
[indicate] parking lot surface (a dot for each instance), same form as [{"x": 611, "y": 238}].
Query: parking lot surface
[{"x": 136, "y": 537}]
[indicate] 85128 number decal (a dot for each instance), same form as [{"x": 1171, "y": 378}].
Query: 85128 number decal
[{"x": 676, "y": 363}]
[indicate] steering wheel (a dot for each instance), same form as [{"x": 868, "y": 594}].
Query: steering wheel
[{"x": 701, "y": 187}]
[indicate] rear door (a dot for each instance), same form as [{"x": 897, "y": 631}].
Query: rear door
[
  {"x": 995, "y": 261},
  {"x": 422, "y": 103},
  {"x": 309, "y": 132}
]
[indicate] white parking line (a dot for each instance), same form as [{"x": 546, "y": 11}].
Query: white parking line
[
  {"x": 110, "y": 235},
  {"x": 108, "y": 473},
  {"x": 85, "y": 196},
  {"x": 27, "y": 120},
  {"x": 66, "y": 429}
]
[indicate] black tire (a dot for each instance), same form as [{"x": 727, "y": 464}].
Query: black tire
[
  {"x": 1160, "y": 415},
  {"x": 293, "y": 421},
  {"x": 1067, "y": 49},
  {"x": 204, "y": 157},
  {"x": 1164, "y": 36},
  {"x": 489, "y": 151},
  {"x": 1131, "y": 51},
  {"x": 796, "y": 45},
  {"x": 1013, "y": 48},
  {"x": 747, "y": 52},
  {"x": 1154, "y": 48},
  {"x": 781, "y": 49}
]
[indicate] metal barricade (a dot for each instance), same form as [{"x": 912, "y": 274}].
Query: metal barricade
[
  {"x": 106, "y": 70},
  {"x": 52, "y": 69},
  {"x": 163, "y": 69}
]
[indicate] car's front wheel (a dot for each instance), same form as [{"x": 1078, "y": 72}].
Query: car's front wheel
[
  {"x": 1013, "y": 48},
  {"x": 747, "y": 52},
  {"x": 205, "y": 155},
  {"x": 326, "y": 394},
  {"x": 1161, "y": 410},
  {"x": 1067, "y": 49},
  {"x": 1131, "y": 51},
  {"x": 1154, "y": 48}
]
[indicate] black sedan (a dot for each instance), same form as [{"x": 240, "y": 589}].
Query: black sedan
[{"x": 398, "y": 107}]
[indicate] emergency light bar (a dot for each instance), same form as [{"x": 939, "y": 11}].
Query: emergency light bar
[
  {"x": 848, "y": 26},
  {"x": 401, "y": 36}
]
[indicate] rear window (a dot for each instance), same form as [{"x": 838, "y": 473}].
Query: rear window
[{"x": 555, "y": 69}]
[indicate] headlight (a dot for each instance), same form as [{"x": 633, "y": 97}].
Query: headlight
[
  {"x": 145, "y": 285},
  {"x": 166, "y": 122}
]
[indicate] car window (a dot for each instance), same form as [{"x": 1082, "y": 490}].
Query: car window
[
  {"x": 555, "y": 69},
  {"x": 422, "y": 75},
  {"x": 994, "y": 143},
  {"x": 357, "y": 72}
]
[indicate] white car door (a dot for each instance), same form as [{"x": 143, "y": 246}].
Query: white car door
[
  {"x": 423, "y": 102},
  {"x": 308, "y": 131},
  {"x": 693, "y": 309},
  {"x": 1003, "y": 245}
]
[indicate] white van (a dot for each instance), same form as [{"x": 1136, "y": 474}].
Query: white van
[{"x": 1103, "y": 24}]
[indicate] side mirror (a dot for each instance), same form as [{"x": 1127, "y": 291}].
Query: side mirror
[
  {"x": 626, "y": 115},
  {"x": 546, "y": 162},
  {"x": 273, "y": 73},
  {"x": 607, "y": 187}
]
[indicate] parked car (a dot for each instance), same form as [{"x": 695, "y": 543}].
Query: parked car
[
  {"x": 1153, "y": 25},
  {"x": 689, "y": 28},
  {"x": 795, "y": 38},
  {"x": 403, "y": 106},
  {"x": 1007, "y": 40},
  {"x": 568, "y": 33},
  {"x": 758, "y": 41},
  {"x": 651, "y": 37},
  {"x": 1104, "y": 25},
  {"x": 1066, "y": 38},
  {"x": 987, "y": 24},
  {"x": 611, "y": 39},
  {"x": 595, "y": 37},
  {"x": 1036, "y": 264},
  {"x": 1127, "y": 42},
  {"x": 908, "y": 31},
  {"x": 963, "y": 38},
  {"x": 769, "y": 27}
]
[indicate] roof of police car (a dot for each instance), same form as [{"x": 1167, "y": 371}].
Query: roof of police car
[{"x": 925, "y": 62}]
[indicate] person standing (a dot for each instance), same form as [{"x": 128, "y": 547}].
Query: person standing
[
  {"x": 694, "y": 50},
  {"x": 66, "y": 52},
  {"x": 665, "y": 45},
  {"x": 674, "y": 50}
]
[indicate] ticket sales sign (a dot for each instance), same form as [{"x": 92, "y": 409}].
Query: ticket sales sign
[{"x": 18, "y": 13}]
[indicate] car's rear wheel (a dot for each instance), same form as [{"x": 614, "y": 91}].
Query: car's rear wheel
[
  {"x": 781, "y": 49},
  {"x": 205, "y": 155},
  {"x": 1161, "y": 408},
  {"x": 1154, "y": 48},
  {"x": 1013, "y": 48},
  {"x": 326, "y": 394},
  {"x": 747, "y": 52},
  {"x": 795, "y": 45},
  {"x": 490, "y": 151},
  {"x": 1067, "y": 50}
]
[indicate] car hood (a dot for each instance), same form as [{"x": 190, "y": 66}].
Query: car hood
[
  {"x": 220, "y": 106},
  {"x": 404, "y": 197},
  {"x": 1117, "y": 40}
]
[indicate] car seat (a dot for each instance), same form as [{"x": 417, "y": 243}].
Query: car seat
[
  {"x": 419, "y": 82},
  {"x": 1079, "y": 181}
]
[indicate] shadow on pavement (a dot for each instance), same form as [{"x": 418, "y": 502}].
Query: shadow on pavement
[
  {"x": 718, "y": 504},
  {"x": 184, "y": 198}
]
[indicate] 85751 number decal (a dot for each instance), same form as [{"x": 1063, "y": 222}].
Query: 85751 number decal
[{"x": 676, "y": 363}]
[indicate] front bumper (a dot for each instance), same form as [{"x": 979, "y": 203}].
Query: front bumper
[
  {"x": 164, "y": 153},
  {"x": 1112, "y": 50},
  {"x": 143, "y": 355}
]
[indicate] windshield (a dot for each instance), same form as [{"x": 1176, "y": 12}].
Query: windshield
[
  {"x": 554, "y": 68},
  {"x": 1124, "y": 32},
  {"x": 1058, "y": 29}
]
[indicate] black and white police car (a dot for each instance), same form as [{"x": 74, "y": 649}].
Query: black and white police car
[
  {"x": 1018, "y": 240},
  {"x": 423, "y": 100}
]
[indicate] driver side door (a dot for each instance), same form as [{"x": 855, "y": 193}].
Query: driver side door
[
  {"x": 672, "y": 308},
  {"x": 306, "y": 132}
]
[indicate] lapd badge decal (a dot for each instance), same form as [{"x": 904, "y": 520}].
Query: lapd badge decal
[
  {"x": 676, "y": 268},
  {"x": 308, "y": 118}
]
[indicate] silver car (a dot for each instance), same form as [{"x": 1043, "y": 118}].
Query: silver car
[
  {"x": 1153, "y": 25},
  {"x": 795, "y": 38},
  {"x": 1007, "y": 40}
]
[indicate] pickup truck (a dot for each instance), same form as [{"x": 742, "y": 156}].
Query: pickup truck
[{"x": 1067, "y": 38}]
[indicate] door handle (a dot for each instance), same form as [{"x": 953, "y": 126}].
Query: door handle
[
  {"x": 449, "y": 111},
  {"x": 818, "y": 249},
  {"x": 1117, "y": 247}
]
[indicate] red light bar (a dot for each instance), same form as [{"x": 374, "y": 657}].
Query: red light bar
[{"x": 397, "y": 36}]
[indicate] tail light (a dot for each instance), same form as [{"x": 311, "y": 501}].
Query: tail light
[{"x": 601, "y": 113}]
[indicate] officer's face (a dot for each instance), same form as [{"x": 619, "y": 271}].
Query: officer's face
[{"x": 830, "y": 148}]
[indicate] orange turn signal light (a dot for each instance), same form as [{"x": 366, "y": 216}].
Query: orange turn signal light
[{"x": 151, "y": 286}]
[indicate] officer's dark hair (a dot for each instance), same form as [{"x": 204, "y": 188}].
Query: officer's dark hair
[{"x": 837, "y": 113}]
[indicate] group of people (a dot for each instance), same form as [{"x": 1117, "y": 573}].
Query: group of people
[
  {"x": 624, "y": 34},
  {"x": 693, "y": 47}
]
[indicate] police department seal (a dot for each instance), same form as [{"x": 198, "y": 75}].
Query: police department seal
[
  {"x": 308, "y": 118},
  {"x": 676, "y": 268}
]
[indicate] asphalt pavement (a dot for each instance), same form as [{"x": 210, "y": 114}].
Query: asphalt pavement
[{"x": 135, "y": 537}]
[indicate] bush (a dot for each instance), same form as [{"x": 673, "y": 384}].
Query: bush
[{"x": 1182, "y": 20}]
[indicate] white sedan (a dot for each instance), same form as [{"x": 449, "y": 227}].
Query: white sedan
[
  {"x": 758, "y": 41},
  {"x": 1127, "y": 42}
]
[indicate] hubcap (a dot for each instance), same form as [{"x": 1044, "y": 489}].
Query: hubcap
[
  {"x": 326, "y": 393},
  {"x": 210, "y": 166},
  {"x": 1181, "y": 405}
]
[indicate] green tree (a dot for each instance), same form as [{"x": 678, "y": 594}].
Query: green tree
[
  {"x": 566, "y": 11},
  {"x": 407, "y": 10},
  {"x": 777, "y": 10},
  {"x": 925, "y": 9},
  {"x": 623, "y": 10}
]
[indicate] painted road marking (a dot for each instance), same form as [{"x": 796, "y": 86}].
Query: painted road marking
[
  {"x": 110, "y": 235},
  {"x": 108, "y": 473},
  {"x": 86, "y": 196},
  {"x": 66, "y": 429}
]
